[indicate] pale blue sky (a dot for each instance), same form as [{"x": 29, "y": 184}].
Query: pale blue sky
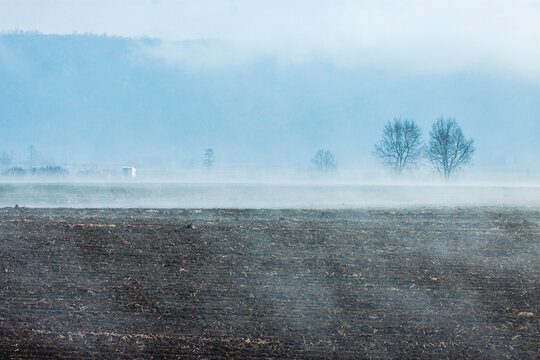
[{"x": 417, "y": 35}]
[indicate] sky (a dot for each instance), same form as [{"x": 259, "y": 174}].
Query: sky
[
  {"x": 419, "y": 35},
  {"x": 267, "y": 81}
]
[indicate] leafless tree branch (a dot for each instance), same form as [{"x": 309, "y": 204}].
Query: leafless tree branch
[
  {"x": 401, "y": 144},
  {"x": 448, "y": 148}
]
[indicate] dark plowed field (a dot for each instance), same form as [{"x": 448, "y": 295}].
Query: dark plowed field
[{"x": 445, "y": 283}]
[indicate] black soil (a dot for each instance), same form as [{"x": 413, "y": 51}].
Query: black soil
[{"x": 422, "y": 283}]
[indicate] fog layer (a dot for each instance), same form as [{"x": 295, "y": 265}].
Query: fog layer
[
  {"x": 85, "y": 99},
  {"x": 177, "y": 195}
]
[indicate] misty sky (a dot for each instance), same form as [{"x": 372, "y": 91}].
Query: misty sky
[
  {"x": 433, "y": 36},
  {"x": 267, "y": 81}
]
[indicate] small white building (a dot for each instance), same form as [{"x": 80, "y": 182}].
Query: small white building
[{"x": 129, "y": 171}]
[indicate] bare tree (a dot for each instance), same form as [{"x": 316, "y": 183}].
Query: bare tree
[
  {"x": 448, "y": 148},
  {"x": 401, "y": 144},
  {"x": 208, "y": 159},
  {"x": 324, "y": 161}
]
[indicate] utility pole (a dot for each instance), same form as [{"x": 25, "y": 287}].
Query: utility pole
[{"x": 31, "y": 150}]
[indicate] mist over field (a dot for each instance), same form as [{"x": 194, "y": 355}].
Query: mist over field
[
  {"x": 94, "y": 96},
  {"x": 257, "y": 196},
  {"x": 92, "y": 104}
]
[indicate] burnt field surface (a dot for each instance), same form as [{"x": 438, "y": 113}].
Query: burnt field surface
[{"x": 144, "y": 283}]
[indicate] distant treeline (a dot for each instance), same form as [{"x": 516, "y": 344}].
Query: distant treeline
[{"x": 42, "y": 171}]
